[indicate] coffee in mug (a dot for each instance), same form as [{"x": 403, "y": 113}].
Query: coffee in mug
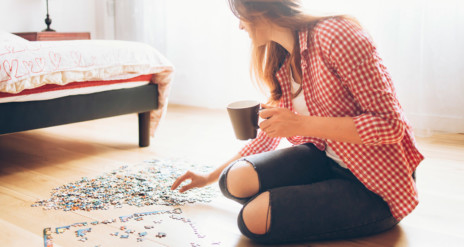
[{"x": 244, "y": 117}]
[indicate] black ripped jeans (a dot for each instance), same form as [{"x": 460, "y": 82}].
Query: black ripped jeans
[{"x": 312, "y": 198}]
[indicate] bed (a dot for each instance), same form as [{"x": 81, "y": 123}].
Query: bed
[{"x": 49, "y": 83}]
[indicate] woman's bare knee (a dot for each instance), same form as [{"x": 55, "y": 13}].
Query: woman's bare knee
[
  {"x": 257, "y": 214},
  {"x": 242, "y": 180}
]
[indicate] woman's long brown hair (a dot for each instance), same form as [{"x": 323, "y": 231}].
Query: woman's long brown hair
[{"x": 267, "y": 59}]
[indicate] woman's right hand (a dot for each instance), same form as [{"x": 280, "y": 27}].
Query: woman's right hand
[{"x": 197, "y": 180}]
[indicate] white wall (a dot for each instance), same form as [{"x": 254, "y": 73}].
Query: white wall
[
  {"x": 66, "y": 15},
  {"x": 210, "y": 53},
  {"x": 104, "y": 19},
  {"x": 201, "y": 39},
  {"x": 141, "y": 20}
]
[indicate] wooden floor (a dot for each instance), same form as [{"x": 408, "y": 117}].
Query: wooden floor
[{"x": 34, "y": 162}]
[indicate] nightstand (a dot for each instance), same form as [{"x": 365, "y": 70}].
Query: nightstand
[{"x": 48, "y": 36}]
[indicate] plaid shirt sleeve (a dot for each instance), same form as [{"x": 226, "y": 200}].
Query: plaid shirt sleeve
[
  {"x": 262, "y": 143},
  {"x": 354, "y": 58}
]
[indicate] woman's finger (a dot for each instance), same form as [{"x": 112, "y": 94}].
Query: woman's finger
[
  {"x": 186, "y": 187},
  {"x": 271, "y": 134},
  {"x": 266, "y": 106},
  {"x": 263, "y": 125},
  {"x": 267, "y": 113},
  {"x": 181, "y": 179}
]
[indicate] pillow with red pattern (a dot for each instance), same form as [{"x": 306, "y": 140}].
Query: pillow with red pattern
[{"x": 9, "y": 37}]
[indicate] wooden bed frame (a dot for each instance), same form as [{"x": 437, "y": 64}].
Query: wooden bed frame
[{"x": 22, "y": 116}]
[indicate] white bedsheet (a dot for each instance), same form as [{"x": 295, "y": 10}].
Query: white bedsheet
[{"x": 69, "y": 92}]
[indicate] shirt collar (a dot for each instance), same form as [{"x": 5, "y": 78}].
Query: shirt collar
[
  {"x": 303, "y": 42},
  {"x": 303, "y": 39}
]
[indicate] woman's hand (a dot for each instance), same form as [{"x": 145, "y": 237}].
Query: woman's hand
[
  {"x": 279, "y": 122},
  {"x": 196, "y": 181}
]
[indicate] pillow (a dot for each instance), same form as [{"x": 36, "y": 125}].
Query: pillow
[{"x": 9, "y": 37}]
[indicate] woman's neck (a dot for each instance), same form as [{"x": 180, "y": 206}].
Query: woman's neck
[{"x": 284, "y": 37}]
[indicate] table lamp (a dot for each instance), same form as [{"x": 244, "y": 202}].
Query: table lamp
[{"x": 48, "y": 21}]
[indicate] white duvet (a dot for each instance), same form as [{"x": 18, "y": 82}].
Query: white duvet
[{"x": 28, "y": 65}]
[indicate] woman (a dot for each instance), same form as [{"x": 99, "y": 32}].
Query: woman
[{"x": 350, "y": 171}]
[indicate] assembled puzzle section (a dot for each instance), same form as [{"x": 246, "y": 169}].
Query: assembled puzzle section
[{"x": 130, "y": 233}]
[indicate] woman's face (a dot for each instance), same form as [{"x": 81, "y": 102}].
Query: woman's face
[{"x": 259, "y": 32}]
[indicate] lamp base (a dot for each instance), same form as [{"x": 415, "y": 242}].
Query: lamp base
[{"x": 48, "y": 21}]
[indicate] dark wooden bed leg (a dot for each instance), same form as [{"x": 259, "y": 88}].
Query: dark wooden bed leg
[{"x": 144, "y": 129}]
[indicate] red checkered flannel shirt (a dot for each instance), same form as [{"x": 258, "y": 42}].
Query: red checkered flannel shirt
[{"x": 343, "y": 75}]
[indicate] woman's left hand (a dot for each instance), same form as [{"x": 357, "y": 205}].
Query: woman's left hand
[{"x": 279, "y": 122}]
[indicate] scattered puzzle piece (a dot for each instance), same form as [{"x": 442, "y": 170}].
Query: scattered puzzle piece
[
  {"x": 48, "y": 240},
  {"x": 149, "y": 185}
]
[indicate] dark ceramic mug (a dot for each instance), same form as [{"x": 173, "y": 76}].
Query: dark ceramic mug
[{"x": 244, "y": 118}]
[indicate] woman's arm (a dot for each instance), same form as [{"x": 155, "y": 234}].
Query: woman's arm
[
  {"x": 341, "y": 129},
  {"x": 352, "y": 55},
  {"x": 214, "y": 175},
  {"x": 281, "y": 122}
]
